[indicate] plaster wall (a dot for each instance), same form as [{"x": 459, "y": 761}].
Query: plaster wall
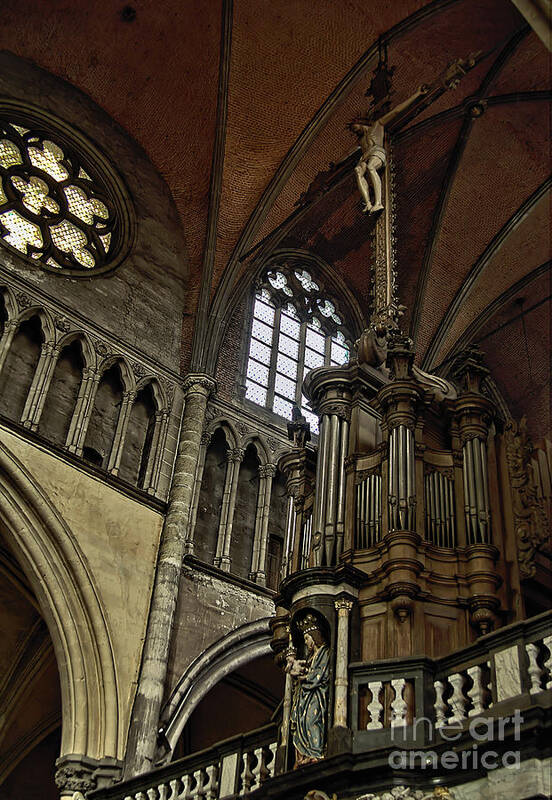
[
  {"x": 208, "y": 609},
  {"x": 118, "y": 538}
]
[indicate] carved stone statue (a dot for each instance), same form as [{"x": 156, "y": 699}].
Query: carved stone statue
[
  {"x": 371, "y": 134},
  {"x": 310, "y": 701}
]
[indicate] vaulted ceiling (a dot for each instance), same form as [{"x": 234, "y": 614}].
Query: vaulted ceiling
[{"x": 240, "y": 105}]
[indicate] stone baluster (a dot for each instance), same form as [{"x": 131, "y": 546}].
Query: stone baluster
[
  {"x": 175, "y": 791},
  {"x": 477, "y": 692},
  {"x": 399, "y": 706},
  {"x": 375, "y": 707},
  {"x": 151, "y": 682},
  {"x": 270, "y": 760},
  {"x": 547, "y": 641},
  {"x": 152, "y": 793},
  {"x": 535, "y": 672},
  {"x": 188, "y": 792},
  {"x": 246, "y": 774},
  {"x": 210, "y": 788},
  {"x": 440, "y": 705},
  {"x": 123, "y": 419},
  {"x": 163, "y": 790},
  {"x": 458, "y": 701},
  {"x": 39, "y": 386},
  {"x": 233, "y": 458},
  {"x": 10, "y": 329},
  {"x": 197, "y": 792},
  {"x": 204, "y": 446},
  {"x": 343, "y": 608},
  {"x": 257, "y": 768}
]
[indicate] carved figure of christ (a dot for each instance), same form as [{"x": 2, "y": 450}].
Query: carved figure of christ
[{"x": 372, "y": 142}]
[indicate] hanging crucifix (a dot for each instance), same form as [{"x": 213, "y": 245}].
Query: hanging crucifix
[{"x": 370, "y": 130}]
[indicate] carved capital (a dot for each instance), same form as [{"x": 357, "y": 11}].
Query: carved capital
[
  {"x": 205, "y": 440},
  {"x": 235, "y": 455},
  {"x": 336, "y": 409},
  {"x": 75, "y": 778},
  {"x": 198, "y": 384},
  {"x": 343, "y": 605},
  {"x": 267, "y": 470}
]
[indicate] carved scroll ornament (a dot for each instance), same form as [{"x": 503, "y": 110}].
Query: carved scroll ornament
[{"x": 530, "y": 520}]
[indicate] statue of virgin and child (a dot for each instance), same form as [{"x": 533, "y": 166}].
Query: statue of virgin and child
[{"x": 310, "y": 700}]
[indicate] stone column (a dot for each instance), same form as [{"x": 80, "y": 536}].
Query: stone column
[
  {"x": 343, "y": 608},
  {"x": 258, "y": 524},
  {"x": 39, "y": 386},
  {"x": 10, "y": 329},
  {"x": 266, "y": 473},
  {"x": 204, "y": 445},
  {"x": 114, "y": 461},
  {"x": 156, "y": 453},
  {"x": 83, "y": 411},
  {"x": 234, "y": 458},
  {"x": 151, "y": 683}
]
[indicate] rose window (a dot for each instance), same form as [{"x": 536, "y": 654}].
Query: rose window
[{"x": 53, "y": 208}]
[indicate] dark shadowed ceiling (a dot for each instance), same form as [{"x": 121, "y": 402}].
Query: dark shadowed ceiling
[{"x": 240, "y": 105}]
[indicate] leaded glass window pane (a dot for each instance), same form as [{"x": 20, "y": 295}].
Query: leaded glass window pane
[
  {"x": 288, "y": 346},
  {"x": 282, "y": 407},
  {"x": 316, "y": 340},
  {"x": 264, "y": 312},
  {"x": 262, "y": 332},
  {"x": 260, "y": 352},
  {"x": 286, "y": 366},
  {"x": 313, "y": 359},
  {"x": 255, "y": 393},
  {"x": 339, "y": 354},
  {"x": 257, "y": 372},
  {"x": 290, "y": 326}
]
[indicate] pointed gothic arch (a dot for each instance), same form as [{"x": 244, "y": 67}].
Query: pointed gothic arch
[{"x": 56, "y": 569}]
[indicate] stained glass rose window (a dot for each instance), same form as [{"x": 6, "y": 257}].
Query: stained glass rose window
[{"x": 55, "y": 208}]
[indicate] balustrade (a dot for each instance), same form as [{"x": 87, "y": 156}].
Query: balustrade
[
  {"x": 236, "y": 767},
  {"x": 513, "y": 661}
]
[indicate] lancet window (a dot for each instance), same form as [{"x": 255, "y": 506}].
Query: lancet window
[{"x": 295, "y": 328}]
